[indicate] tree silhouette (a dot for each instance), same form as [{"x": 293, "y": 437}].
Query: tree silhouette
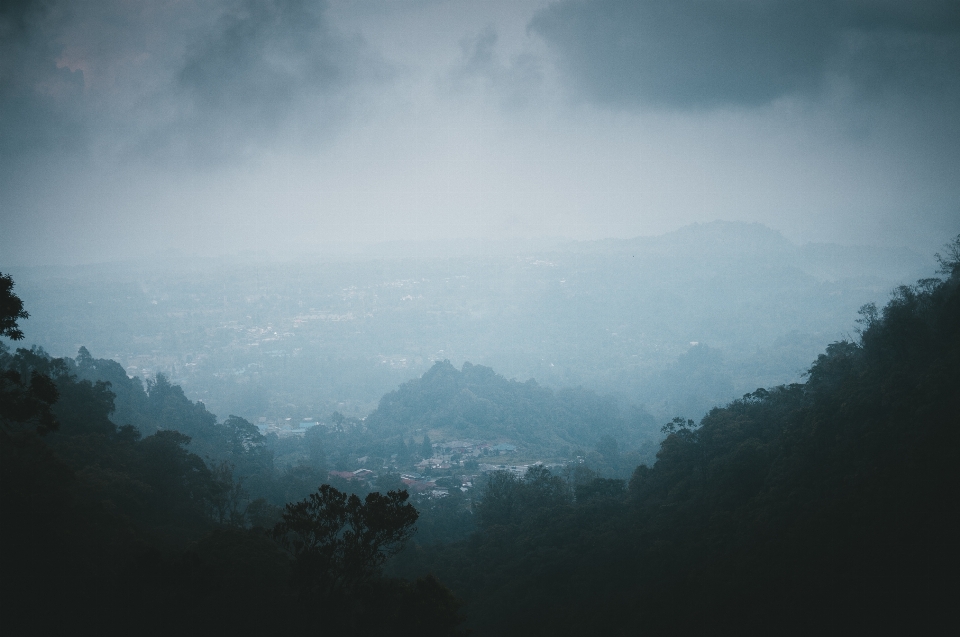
[
  {"x": 950, "y": 262},
  {"x": 339, "y": 542},
  {"x": 27, "y": 393},
  {"x": 11, "y": 309}
]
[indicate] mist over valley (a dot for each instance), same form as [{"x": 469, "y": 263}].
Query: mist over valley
[
  {"x": 677, "y": 323},
  {"x": 512, "y": 317}
]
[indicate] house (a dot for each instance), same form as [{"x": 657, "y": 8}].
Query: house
[{"x": 418, "y": 486}]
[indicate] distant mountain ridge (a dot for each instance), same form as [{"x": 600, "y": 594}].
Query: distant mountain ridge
[
  {"x": 308, "y": 336},
  {"x": 723, "y": 241}
]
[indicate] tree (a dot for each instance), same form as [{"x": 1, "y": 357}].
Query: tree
[
  {"x": 499, "y": 501},
  {"x": 600, "y": 488},
  {"x": 403, "y": 453},
  {"x": 389, "y": 482},
  {"x": 23, "y": 401},
  {"x": 181, "y": 484},
  {"x": 314, "y": 442},
  {"x": 239, "y": 436},
  {"x": 507, "y": 499},
  {"x": 950, "y": 264},
  {"x": 426, "y": 449},
  {"x": 542, "y": 489},
  {"x": 227, "y": 495},
  {"x": 339, "y": 541},
  {"x": 11, "y": 310},
  {"x": 27, "y": 404}
]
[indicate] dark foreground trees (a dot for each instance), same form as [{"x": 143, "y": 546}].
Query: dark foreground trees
[
  {"x": 11, "y": 309},
  {"x": 26, "y": 395},
  {"x": 339, "y": 542},
  {"x": 318, "y": 571},
  {"x": 830, "y": 505},
  {"x": 822, "y": 506},
  {"x": 106, "y": 530}
]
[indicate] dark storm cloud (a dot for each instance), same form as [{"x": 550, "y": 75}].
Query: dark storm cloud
[
  {"x": 171, "y": 78},
  {"x": 263, "y": 53},
  {"x": 704, "y": 53},
  {"x": 514, "y": 81},
  {"x": 36, "y": 95},
  {"x": 266, "y": 60}
]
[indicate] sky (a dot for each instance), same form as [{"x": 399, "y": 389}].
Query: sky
[{"x": 137, "y": 127}]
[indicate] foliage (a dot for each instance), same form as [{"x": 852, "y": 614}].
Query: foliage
[
  {"x": 828, "y": 502},
  {"x": 11, "y": 310},
  {"x": 27, "y": 404},
  {"x": 475, "y": 402},
  {"x": 950, "y": 262},
  {"x": 128, "y": 527},
  {"x": 444, "y": 519},
  {"x": 509, "y": 499},
  {"x": 338, "y": 541}
]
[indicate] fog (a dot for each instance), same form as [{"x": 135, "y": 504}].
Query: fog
[
  {"x": 499, "y": 317},
  {"x": 675, "y": 324},
  {"x": 278, "y": 137}
]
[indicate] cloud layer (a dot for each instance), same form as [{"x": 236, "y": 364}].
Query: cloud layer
[
  {"x": 171, "y": 78},
  {"x": 131, "y": 126},
  {"x": 708, "y": 53}
]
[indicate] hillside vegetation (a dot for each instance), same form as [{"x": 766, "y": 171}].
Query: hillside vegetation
[
  {"x": 790, "y": 509},
  {"x": 828, "y": 503},
  {"x": 476, "y": 402}
]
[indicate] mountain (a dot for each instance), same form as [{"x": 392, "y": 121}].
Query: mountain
[
  {"x": 831, "y": 502},
  {"x": 476, "y": 402}
]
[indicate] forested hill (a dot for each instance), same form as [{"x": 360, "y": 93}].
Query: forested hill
[
  {"x": 476, "y": 402},
  {"x": 831, "y": 503},
  {"x": 124, "y": 529}
]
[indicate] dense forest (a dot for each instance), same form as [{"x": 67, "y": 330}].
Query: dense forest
[
  {"x": 123, "y": 529},
  {"x": 828, "y": 503},
  {"x": 127, "y": 507}
]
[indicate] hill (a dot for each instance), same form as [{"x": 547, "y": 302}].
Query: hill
[
  {"x": 831, "y": 502},
  {"x": 476, "y": 402}
]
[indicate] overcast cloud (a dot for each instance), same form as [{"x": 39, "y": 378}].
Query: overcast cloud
[
  {"x": 710, "y": 53},
  {"x": 174, "y": 80},
  {"x": 128, "y": 126}
]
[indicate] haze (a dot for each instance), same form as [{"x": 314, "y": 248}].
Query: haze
[
  {"x": 502, "y": 317},
  {"x": 292, "y": 127}
]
